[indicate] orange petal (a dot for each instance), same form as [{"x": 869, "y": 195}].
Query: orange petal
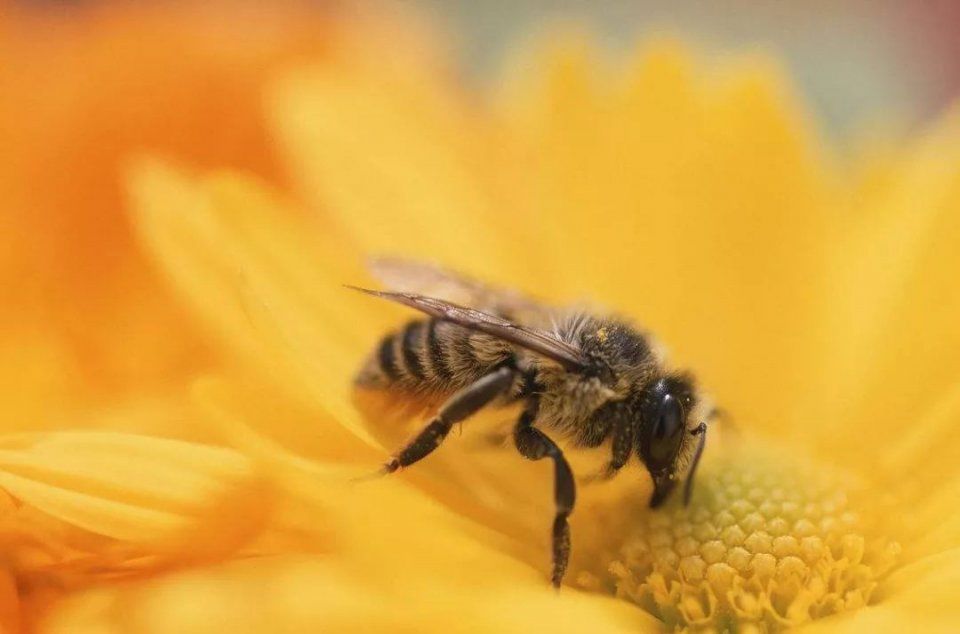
[
  {"x": 264, "y": 282},
  {"x": 9, "y": 602},
  {"x": 82, "y": 89},
  {"x": 136, "y": 489}
]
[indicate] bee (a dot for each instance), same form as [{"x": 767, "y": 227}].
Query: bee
[{"x": 588, "y": 379}]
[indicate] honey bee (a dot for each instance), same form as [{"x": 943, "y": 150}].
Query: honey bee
[{"x": 585, "y": 378}]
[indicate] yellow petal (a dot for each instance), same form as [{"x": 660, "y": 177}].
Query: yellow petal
[
  {"x": 132, "y": 488},
  {"x": 394, "y": 160},
  {"x": 557, "y": 135},
  {"x": 284, "y": 420},
  {"x": 298, "y": 593},
  {"x": 921, "y": 471},
  {"x": 696, "y": 206},
  {"x": 269, "y": 287},
  {"x": 920, "y": 597},
  {"x": 754, "y": 272},
  {"x": 347, "y": 493},
  {"x": 891, "y": 312}
]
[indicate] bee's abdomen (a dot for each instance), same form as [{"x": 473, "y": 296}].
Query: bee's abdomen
[{"x": 431, "y": 355}]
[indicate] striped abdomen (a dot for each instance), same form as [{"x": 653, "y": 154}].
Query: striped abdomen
[{"x": 432, "y": 355}]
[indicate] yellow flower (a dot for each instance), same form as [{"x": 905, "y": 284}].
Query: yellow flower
[{"x": 813, "y": 295}]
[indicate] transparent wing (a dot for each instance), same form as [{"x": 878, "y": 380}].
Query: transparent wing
[
  {"x": 422, "y": 278},
  {"x": 533, "y": 339}
]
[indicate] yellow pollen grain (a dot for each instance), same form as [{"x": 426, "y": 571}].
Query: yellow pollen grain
[{"x": 767, "y": 542}]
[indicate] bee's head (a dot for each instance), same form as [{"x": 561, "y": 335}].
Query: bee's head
[{"x": 672, "y": 432}]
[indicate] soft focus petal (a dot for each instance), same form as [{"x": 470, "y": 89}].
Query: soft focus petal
[
  {"x": 308, "y": 594},
  {"x": 696, "y": 205},
  {"x": 269, "y": 290},
  {"x": 82, "y": 88},
  {"x": 131, "y": 488},
  {"x": 9, "y": 602},
  {"x": 920, "y": 597},
  {"x": 891, "y": 312},
  {"x": 77, "y": 508},
  {"x": 921, "y": 471},
  {"x": 392, "y": 157}
]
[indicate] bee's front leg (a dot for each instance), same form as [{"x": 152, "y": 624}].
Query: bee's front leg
[
  {"x": 533, "y": 444},
  {"x": 624, "y": 432}
]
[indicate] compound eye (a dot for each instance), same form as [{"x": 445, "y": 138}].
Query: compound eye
[{"x": 665, "y": 434}]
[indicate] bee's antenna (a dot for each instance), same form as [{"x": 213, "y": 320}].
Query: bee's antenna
[{"x": 701, "y": 431}]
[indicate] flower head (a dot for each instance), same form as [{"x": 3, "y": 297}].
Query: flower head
[{"x": 765, "y": 541}]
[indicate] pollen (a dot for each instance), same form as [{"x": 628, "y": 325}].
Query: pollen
[{"x": 767, "y": 541}]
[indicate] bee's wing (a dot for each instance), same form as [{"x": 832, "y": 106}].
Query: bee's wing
[
  {"x": 533, "y": 339},
  {"x": 429, "y": 280}
]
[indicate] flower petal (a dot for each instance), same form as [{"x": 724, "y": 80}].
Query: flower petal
[
  {"x": 311, "y": 594},
  {"x": 391, "y": 158},
  {"x": 401, "y": 568},
  {"x": 9, "y": 602},
  {"x": 74, "y": 106},
  {"x": 751, "y": 309},
  {"x": 265, "y": 284},
  {"x": 694, "y": 205},
  {"x": 556, "y": 159},
  {"x": 891, "y": 314},
  {"x": 131, "y": 488},
  {"x": 921, "y": 471},
  {"x": 920, "y": 597}
]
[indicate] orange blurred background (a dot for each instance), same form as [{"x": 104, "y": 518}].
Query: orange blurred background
[{"x": 86, "y": 85}]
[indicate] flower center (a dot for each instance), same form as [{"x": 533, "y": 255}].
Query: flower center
[{"x": 765, "y": 540}]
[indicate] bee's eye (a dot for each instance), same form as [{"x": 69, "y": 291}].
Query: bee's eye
[{"x": 665, "y": 433}]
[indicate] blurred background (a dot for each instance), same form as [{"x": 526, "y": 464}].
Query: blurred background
[
  {"x": 84, "y": 85},
  {"x": 852, "y": 58}
]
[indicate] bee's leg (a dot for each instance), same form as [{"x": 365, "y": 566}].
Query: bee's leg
[
  {"x": 534, "y": 445},
  {"x": 461, "y": 405},
  {"x": 701, "y": 432},
  {"x": 623, "y": 441}
]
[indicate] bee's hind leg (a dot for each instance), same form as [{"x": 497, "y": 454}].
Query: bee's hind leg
[
  {"x": 458, "y": 407},
  {"x": 533, "y": 444}
]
